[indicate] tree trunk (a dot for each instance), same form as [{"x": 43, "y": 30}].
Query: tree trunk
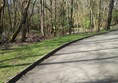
[
  {"x": 109, "y": 19},
  {"x": 99, "y": 15},
  {"x": 52, "y": 30},
  {"x": 14, "y": 15},
  {"x": 10, "y": 21},
  {"x": 91, "y": 15},
  {"x": 42, "y": 18},
  {"x": 71, "y": 18},
  {"x": 30, "y": 16},
  {"x": 24, "y": 32},
  {"x": 55, "y": 28},
  {"x": 2, "y": 4},
  {"x": 22, "y": 22},
  {"x": 63, "y": 18}
]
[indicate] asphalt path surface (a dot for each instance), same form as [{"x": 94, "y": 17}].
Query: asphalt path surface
[{"x": 92, "y": 60}]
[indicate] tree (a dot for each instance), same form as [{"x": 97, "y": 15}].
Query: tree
[
  {"x": 42, "y": 17},
  {"x": 2, "y": 5},
  {"x": 9, "y": 13},
  {"x": 99, "y": 16},
  {"x": 51, "y": 18},
  {"x": 26, "y": 4},
  {"x": 109, "y": 19},
  {"x": 71, "y": 17}
]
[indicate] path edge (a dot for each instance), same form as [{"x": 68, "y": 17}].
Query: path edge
[{"x": 34, "y": 64}]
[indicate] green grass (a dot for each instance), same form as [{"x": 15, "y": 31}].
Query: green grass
[{"x": 19, "y": 57}]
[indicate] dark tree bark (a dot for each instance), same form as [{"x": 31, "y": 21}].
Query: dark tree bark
[
  {"x": 99, "y": 15},
  {"x": 71, "y": 18},
  {"x": 63, "y": 17},
  {"x": 30, "y": 16},
  {"x": 55, "y": 28},
  {"x": 52, "y": 30},
  {"x": 10, "y": 21},
  {"x": 92, "y": 24},
  {"x": 22, "y": 22},
  {"x": 25, "y": 24},
  {"x": 109, "y": 19},
  {"x": 14, "y": 15},
  {"x": 42, "y": 17},
  {"x": 2, "y": 5}
]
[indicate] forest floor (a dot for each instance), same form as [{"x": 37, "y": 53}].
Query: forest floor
[{"x": 92, "y": 60}]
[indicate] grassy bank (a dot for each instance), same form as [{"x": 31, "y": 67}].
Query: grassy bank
[{"x": 19, "y": 57}]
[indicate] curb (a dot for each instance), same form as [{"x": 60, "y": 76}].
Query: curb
[{"x": 19, "y": 75}]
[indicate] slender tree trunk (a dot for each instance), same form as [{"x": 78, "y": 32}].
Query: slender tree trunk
[
  {"x": 55, "y": 28},
  {"x": 68, "y": 12},
  {"x": 10, "y": 21},
  {"x": 24, "y": 32},
  {"x": 29, "y": 19},
  {"x": 52, "y": 30},
  {"x": 22, "y": 22},
  {"x": 91, "y": 20},
  {"x": 32, "y": 10},
  {"x": 63, "y": 17},
  {"x": 109, "y": 19},
  {"x": 2, "y": 4},
  {"x": 99, "y": 15},
  {"x": 25, "y": 25},
  {"x": 14, "y": 15},
  {"x": 42, "y": 18},
  {"x": 71, "y": 18},
  {"x": 91, "y": 15}
]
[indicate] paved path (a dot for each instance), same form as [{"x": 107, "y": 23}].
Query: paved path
[{"x": 92, "y": 60}]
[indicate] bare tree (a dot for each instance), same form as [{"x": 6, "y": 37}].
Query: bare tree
[
  {"x": 99, "y": 15},
  {"x": 109, "y": 19},
  {"x": 42, "y": 17},
  {"x": 2, "y": 5},
  {"x": 9, "y": 13},
  {"x": 71, "y": 17},
  {"x": 26, "y": 4}
]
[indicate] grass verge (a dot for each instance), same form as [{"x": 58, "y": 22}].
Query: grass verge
[{"x": 19, "y": 57}]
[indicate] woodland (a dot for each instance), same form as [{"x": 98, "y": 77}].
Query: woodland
[{"x": 35, "y": 20}]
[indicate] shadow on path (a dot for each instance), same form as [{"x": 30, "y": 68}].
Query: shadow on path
[
  {"x": 86, "y": 51},
  {"x": 107, "y": 80},
  {"x": 97, "y": 41},
  {"x": 77, "y": 61}
]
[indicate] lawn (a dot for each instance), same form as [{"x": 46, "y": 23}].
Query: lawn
[{"x": 17, "y": 58}]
